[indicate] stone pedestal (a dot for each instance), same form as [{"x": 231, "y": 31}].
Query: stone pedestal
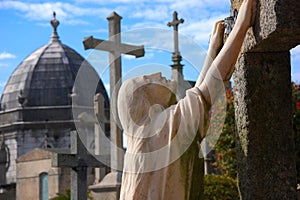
[{"x": 108, "y": 188}]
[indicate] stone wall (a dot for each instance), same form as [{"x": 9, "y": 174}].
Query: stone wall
[
  {"x": 22, "y": 142},
  {"x": 29, "y": 168},
  {"x": 36, "y": 162}
]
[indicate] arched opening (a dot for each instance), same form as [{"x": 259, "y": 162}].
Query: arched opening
[{"x": 44, "y": 189}]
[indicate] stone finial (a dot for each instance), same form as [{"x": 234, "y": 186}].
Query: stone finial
[
  {"x": 114, "y": 16},
  {"x": 54, "y": 22}
]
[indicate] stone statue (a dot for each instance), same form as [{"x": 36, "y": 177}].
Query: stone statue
[{"x": 163, "y": 135}]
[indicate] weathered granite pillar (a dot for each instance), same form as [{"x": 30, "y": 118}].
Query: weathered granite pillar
[
  {"x": 264, "y": 122},
  {"x": 266, "y": 162}
]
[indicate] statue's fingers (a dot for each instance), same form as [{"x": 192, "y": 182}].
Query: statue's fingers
[
  {"x": 216, "y": 25},
  {"x": 220, "y": 27}
]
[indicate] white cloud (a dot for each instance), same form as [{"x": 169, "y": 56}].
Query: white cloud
[
  {"x": 2, "y": 84},
  {"x": 201, "y": 30},
  {"x": 199, "y": 16},
  {"x": 5, "y": 55},
  {"x": 145, "y": 25},
  {"x": 66, "y": 12},
  {"x": 34, "y": 11},
  {"x": 173, "y": 3},
  {"x": 156, "y": 10},
  {"x": 156, "y": 13},
  {"x": 155, "y": 38},
  {"x": 203, "y": 4},
  {"x": 122, "y": 1}
]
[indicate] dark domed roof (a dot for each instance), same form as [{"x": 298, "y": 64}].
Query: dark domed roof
[{"x": 46, "y": 77}]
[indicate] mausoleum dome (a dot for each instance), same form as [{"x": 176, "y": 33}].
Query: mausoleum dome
[
  {"x": 46, "y": 77},
  {"x": 40, "y": 91}
]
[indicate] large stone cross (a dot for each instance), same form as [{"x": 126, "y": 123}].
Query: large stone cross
[
  {"x": 263, "y": 106},
  {"x": 176, "y": 57},
  {"x": 115, "y": 48},
  {"x": 78, "y": 160}
]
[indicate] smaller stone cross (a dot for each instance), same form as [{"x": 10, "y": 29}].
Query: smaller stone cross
[
  {"x": 175, "y": 23},
  {"x": 78, "y": 160},
  {"x": 176, "y": 57}
]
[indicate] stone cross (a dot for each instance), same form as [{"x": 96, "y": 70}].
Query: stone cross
[
  {"x": 78, "y": 160},
  {"x": 176, "y": 57},
  {"x": 263, "y": 106},
  {"x": 115, "y": 48}
]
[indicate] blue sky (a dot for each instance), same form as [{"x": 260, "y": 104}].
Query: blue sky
[{"x": 25, "y": 27}]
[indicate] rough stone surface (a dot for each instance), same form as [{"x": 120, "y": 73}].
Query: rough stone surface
[
  {"x": 276, "y": 26},
  {"x": 264, "y": 125},
  {"x": 266, "y": 160}
]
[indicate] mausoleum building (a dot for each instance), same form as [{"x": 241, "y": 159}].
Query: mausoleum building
[{"x": 36, "y": 106}]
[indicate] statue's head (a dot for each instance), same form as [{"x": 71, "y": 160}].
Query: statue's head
[{"x": 141, "y": 96}]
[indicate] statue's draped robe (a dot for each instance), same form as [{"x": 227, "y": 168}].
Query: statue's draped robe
[{"x": 165, "y": 165}]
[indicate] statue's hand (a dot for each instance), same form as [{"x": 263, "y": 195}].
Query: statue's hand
[{"x": 216, "y": 38}]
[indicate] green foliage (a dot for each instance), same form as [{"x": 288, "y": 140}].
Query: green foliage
[
  {"x": 225, "y": 157},
  {"x": 225, "y": 187},
  {"x": 67, "y": 196},
  {"x": 225, "y": 148},
  {"x": 218, "y": 187}
]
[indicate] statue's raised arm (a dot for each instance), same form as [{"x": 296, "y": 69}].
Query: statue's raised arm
[
  {"x": 163, "y": 134},
  {"x": 222, "y": 67}
]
